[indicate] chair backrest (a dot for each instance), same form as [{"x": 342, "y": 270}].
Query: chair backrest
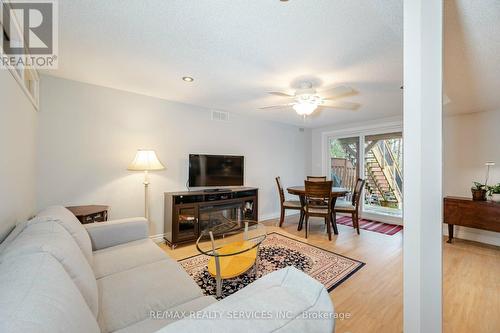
[
  {"x": 356, "y": 195},
  {"x": 318, "y": 192},
  {"x": 280, "y": 189},
  {"x": 316, "y": 178}
]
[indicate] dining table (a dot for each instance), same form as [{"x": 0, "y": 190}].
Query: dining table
[{"x": 301, "y": 192}]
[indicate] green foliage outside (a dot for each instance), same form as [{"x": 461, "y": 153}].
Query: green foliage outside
[{"x": 336, "y": 150}]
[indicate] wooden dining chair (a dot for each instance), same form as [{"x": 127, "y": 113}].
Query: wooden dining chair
[
  {"x": 351, "y": 207},
  {"x": 316, "y": 178},
  {"x": 319, "y": 192},
  {"x": 286, "y": 204}
]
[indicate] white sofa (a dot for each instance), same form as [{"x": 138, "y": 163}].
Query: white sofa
[{"x": 57, "y": 275}]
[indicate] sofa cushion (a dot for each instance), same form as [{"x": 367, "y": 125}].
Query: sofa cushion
[
  {"x": 158, "y": 320},
  {"x": 129, "y": 296},
  {"x": 52, "y": 238},
  {"x": 122, "y": 257},
  {"x": 39, "y": 296},
  {"x": 72, "y": 225},
  {"x": 287, "y": 300}
]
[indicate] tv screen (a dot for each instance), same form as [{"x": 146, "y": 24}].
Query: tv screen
[{"x": 215, "y": 170}]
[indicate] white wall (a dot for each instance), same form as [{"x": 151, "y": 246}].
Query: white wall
[
  {"x": 89, "y": 134},
  {"x": 470, "y": 140},
  {"x": 18, "y": 123}
]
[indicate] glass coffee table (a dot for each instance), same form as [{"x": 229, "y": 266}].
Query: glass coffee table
[{"x": 233, "y": 247}]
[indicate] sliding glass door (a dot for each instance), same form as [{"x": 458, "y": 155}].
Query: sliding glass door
[
  {"x": 379, "y": 162},
  {"x": 384, "y": 174}
]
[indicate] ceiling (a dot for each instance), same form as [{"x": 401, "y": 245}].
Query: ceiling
[
  {"x": 471, "y": 56},
  {"x": 237, "y": 50}
]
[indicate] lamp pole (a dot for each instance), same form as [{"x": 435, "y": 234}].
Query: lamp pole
[{"x": 146, "y": 199}]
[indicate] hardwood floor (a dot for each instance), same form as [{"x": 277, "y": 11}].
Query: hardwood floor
[
  {"x": 471, "y": 287},
  {"x": 373, "y": 297}
]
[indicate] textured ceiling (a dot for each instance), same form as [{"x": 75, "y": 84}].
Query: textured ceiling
[
  {"x": 472, "y": 56},
  {"x": 237, "y": 50}
]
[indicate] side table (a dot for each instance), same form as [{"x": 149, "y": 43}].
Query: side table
[{"x": 90, "y": 213}]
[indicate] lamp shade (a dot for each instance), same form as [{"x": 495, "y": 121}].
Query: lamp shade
[{"x": 145, "y": 160}]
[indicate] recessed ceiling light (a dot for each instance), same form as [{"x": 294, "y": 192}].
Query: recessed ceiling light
[{"x": 188, "y": 79}]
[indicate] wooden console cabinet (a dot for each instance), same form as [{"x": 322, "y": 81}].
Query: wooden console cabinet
[
  {"x": 465, "y": 212},
  {"x": 186, "y": 214}
]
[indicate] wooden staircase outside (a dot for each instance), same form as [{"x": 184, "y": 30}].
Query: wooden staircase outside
[
  {"x": 382, "y": 172},
  {"x": 383, "y": 175}
]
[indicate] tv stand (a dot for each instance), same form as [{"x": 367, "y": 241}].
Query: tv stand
[
  {"x": 212, "y": 190},
  {"x": 187, "y": 214}
]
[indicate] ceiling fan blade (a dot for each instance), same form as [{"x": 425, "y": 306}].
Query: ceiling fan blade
[
  {"x": 279, "y": 93},
  {"x": 338, "y": 92},
  {"x": 281, "y": 106},
  {"x": 341, "y": 105}
]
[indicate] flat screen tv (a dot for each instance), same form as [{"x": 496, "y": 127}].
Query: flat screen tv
[{"x": 215, "y": 170}]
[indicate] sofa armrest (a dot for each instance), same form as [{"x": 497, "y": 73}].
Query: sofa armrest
[
  {"x": 298, "y": 304},
  {"x": 115, "y": 232}
]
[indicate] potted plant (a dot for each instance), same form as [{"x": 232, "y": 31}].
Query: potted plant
[
  {"x": 494, "y": 192},
  {"x": 478, "y": 192}
]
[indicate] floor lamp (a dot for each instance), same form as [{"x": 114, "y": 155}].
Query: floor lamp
[{"x": 146, "y": 160}]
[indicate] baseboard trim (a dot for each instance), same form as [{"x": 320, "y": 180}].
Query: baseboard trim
[
  {"x": 382, "y": 218},
  {"x": 475, "y": 235},
  {"x": 158, "y": 238},
  {"x": 274, "y": 216},
  {"x": 374, "y": 217}
]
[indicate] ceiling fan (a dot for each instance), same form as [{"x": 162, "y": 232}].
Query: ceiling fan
[{"x": 306, "y": 100}]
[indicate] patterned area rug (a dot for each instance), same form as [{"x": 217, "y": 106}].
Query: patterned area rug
[
  {"x": 381, "y": 228},
  {"x": 278, "y": 251}
]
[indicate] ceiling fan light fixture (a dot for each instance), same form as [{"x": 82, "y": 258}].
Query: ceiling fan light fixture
[{"x": 304, "y": 108}]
